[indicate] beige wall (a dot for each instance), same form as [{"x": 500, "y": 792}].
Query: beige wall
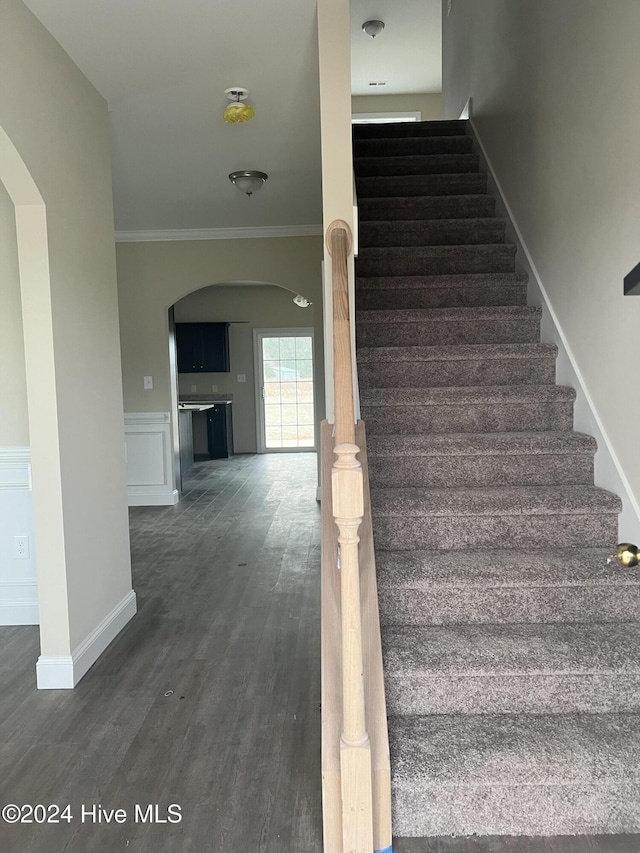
[
  {"x": 14, "y": 428},
  {"x": 58, "y": 124},
  {"x": 554, "y": 89},
  {"x": 248, "y": 308},
  {"x": 154, "y": 276},
  {"x": 430, "y": 105}
]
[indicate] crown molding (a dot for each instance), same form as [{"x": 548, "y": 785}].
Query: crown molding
[{"x": 218, "y": 233}]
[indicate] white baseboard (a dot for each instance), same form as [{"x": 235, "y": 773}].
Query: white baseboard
[
  {"x": 18, "y": 582},
  {"x": 609, "y": 473},
  {"x": 150, "y": 480},
  {"x": 60, "y": 673}
]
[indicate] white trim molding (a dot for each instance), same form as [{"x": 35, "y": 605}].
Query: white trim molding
[
  {"x": 149, "y": 459},
  {"x": 64, "y": 672},
  {"x": 609, "y": 473},
  {"x": 172, "y": 235},
  {"x": 18, "y": 576}
]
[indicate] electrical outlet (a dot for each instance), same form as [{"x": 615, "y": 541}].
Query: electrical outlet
[
  {"x": 242, "y": 377},
  {"x": 214, "y": 388},
  {"x": 148, "y": 383},
  {"x": 21, "y": 547}
]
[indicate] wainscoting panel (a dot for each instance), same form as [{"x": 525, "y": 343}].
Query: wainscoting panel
[
  {"x": 18, "y": 581},
  {"x": 149, "y": 459}
]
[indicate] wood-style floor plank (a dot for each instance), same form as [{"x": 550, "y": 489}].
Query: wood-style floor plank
[{"x": 228, "y": 627}]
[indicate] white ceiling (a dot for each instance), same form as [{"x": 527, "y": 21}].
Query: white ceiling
[
  {"x": 163, "y": 66},
  {"x": 407, "y": 55}
]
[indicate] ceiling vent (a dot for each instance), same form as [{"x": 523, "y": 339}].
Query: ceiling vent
[{"x": 377, "y": 82}]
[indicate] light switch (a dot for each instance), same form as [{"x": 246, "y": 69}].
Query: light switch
[
  {"x": 214, "y": 388},
  {"x": 148, "y": 383},
  {"x": 194, "y": 388},
  {"x": 242, "y": 377}
]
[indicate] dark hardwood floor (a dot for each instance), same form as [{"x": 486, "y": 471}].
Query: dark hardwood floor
[{"x": 210, "y": 697}]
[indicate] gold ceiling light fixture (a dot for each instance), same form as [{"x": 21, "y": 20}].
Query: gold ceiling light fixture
[
  {"x": 248, "y": 180},
  {"x": 237, "y": 111},
  {"x": 373, "y": 28}
]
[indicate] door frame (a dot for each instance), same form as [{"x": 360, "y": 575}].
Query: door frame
[{"x": 291, "y": 332}]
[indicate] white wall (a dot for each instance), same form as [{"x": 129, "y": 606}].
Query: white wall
[
  {"x": 430, "y": 105},
  {"x": 554, "y": 88},
  {"x": 250, "y": 308},
  {"x": 55, "y": 134}
]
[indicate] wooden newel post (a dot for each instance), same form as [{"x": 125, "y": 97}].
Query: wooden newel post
[{"x": 355, "y": 750}]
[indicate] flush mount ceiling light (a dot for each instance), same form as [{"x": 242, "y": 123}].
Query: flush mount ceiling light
[
  {"x": 237, "y": 112},
  {"x": 301, "y": 301},
  {"x": 248, "y": 180},
  {"x": 373, "y": 28}
]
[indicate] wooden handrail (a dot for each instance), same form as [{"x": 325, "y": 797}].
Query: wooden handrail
[{"x": 364, "y": 807}]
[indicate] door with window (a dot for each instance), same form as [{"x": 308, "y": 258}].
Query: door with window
[{"x": 285, "y": 394}]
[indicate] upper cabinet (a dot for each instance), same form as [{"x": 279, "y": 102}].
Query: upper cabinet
[{"x": 203, "y": 347}]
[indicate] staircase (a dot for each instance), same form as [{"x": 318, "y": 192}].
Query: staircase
[{"x": 512, "y": 651}]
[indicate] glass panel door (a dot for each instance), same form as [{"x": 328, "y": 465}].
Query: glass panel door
[{"x": 286, "y": 376}]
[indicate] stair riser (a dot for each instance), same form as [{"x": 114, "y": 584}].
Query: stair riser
[
  {"x": 459, "y": 532},
  {"x": 421, "y": 810},
  {"x": 428, "y": 164},
  {"x": 493, "y": 605},
  {"x": 567, "y": 693},
  {"x": 488, "y": 417},
  {"x": 462, "y": 471},
  {"x": 400, "y": 147},
  {"x": 421, "y": 185},
  {"x": 426, "y": 207},
  {"x": 432, "y": 232},
  {"x": 460, "y": 260},
  {"x": 411, "y": 129},
  {"x": 500, "y": 330},
  {"x": 432, "y": 297},
  {"x": 440, "y": 374}
]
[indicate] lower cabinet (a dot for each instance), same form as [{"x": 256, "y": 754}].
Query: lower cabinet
[{"x": 219, "y": 431}]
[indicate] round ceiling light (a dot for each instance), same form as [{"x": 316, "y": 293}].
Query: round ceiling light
[
  {"x": 373, "y": 28},
  {"x": 248, "y": 180}
]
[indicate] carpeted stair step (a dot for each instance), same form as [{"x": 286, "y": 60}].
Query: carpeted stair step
[
  {"x": 426, "y": 207},
  {"x": 411, "y": 145},
  {"x": 432, "y": 232},
  {"x": 435, "y": 260},
  {"x": 383, "y": 186},
  {"x": 494, "y": 517},
  {"x": 449, "y": 326},
  {"x": 512, "y": 669},
  {"x": 441, "y": 291},
  {"x": 477, "y": 460},
  {"x": 515, "y": 774},
  {"x": 440, "y": 366},
  {"x": 409, "y": 128},
  {"x": 491, "y": 587},
  {"x": 499, "y": 408},
  {"x": 418, "y": 164}
]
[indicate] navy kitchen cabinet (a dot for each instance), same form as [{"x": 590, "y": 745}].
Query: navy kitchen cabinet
[{"x": 203, "y": 347}]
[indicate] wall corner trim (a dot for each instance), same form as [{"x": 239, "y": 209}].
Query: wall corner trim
[
  {"x": 609, "y": 473},
  {"x": 177, "y": 235},
  {"x": 64, "y": 672}
]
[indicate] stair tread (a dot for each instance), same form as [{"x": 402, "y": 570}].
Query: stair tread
[
  {"x": 524, "y": 749},
  {"x": 455, "y": 352},
  {"x": 430, "y": 570},
  {"x": 418, "y": 282},
  {"x": 493, "y": 444},
  {"x": 415, "y": 501},
  {"x": 455, "y": 315},
  {"x": 464, "y": 395},
  {"x": 508, "y": 649},
  {"x": 373, "y": 252},
  {"x": 368, "y": 130}
]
